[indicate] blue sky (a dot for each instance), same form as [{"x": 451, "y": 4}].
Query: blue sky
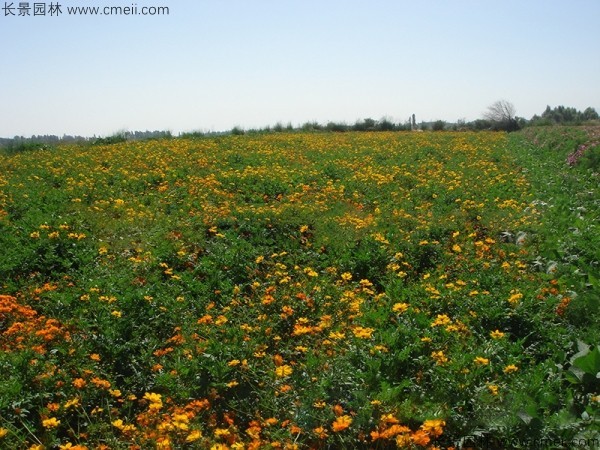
[{"x": 210, "y": 65}]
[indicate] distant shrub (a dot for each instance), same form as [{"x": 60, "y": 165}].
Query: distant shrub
[
  {"x": 336, "y": 126},
  {"x": 386, "y": 125},
  {"x": 113, "y": 139},
  {"x": 20, "y": 146},
  {"x": 311, "y": 126},
  {"x": 438, "y": 125}
]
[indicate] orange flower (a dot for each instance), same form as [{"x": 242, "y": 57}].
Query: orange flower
[
  {"x": 79, "y": 383},
  {"x": 278, "y": 360},
  {"x": 421, "y": 438},
  {"x": 100, "y": 383},
  {"x": 338, "y": 410},
  {"x": 433, "y": 427},
  {"x": 320, "y": 432},
  {"x": 341, "y": 423}
]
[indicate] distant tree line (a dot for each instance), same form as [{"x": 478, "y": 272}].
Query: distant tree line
[
  {"x": 20, "y": 143},
  {"x": 500, "y": 116},
  {"x": 564, "y": 115}
]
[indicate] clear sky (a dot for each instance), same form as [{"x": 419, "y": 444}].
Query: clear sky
[{"x": 210, "y": 65}]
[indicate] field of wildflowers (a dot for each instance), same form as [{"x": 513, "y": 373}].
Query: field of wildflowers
[{"x": 299, "y": 290}]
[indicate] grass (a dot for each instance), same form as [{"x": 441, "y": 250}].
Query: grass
[{"x": 300, "y": 290}]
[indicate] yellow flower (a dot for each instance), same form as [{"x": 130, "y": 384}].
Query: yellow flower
[
  {"x": 514, "y": 298},
  {"x": 439, "y": 357},
  {"x": 155, "y": 401},
  {"x": 153, "y": 397},
  {"x": 480, "y": 361},
  {"x": 493, "y": 389},
  {"x": 72, "y": 403},
  {"x": 35, "y": 235},
  {"x": 497, "y": 334},
  {"x": 163, "y": 443},
  {"x": 346, "y": 276},
  {"x": 456, "y": 248},
  {"x": 283, "y": 371},
  {"x": 341, "y": 423},
  {"x": 219, "y": 447},
  {"x": 221, "y": 320},
  {"x": 511, "y": 368},
  {"x": 441, "y": 319},
  {"x": 193, "y": 436},
  {"x": 362, "y": 332},
  {"x": 219, "y": 432},
  {"x": 3, "y": 432},
  {"x": 400, "y": 307},
  {"x": 52, "y": 422},
  {"x": 116, "y": 314},
  {"x": 337, "y": 335},
  {"x": 310, "y": 272}
]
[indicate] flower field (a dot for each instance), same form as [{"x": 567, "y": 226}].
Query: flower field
[{"x": 299, "y": 290}]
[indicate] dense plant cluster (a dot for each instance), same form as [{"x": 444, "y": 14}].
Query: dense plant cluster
[{"x": 291, "y": 290}]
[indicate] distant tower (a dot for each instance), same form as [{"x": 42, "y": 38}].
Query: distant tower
[{"x": 413, "y": 124}]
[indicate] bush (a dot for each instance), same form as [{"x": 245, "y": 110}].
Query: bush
[{"x": 438, "y": 125}]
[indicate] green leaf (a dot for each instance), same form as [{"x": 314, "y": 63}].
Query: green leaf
[
  {"x": 589, "y": 363},
  {"x": 573, "y": 375},
  {"x": 593, "y": 280}
]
